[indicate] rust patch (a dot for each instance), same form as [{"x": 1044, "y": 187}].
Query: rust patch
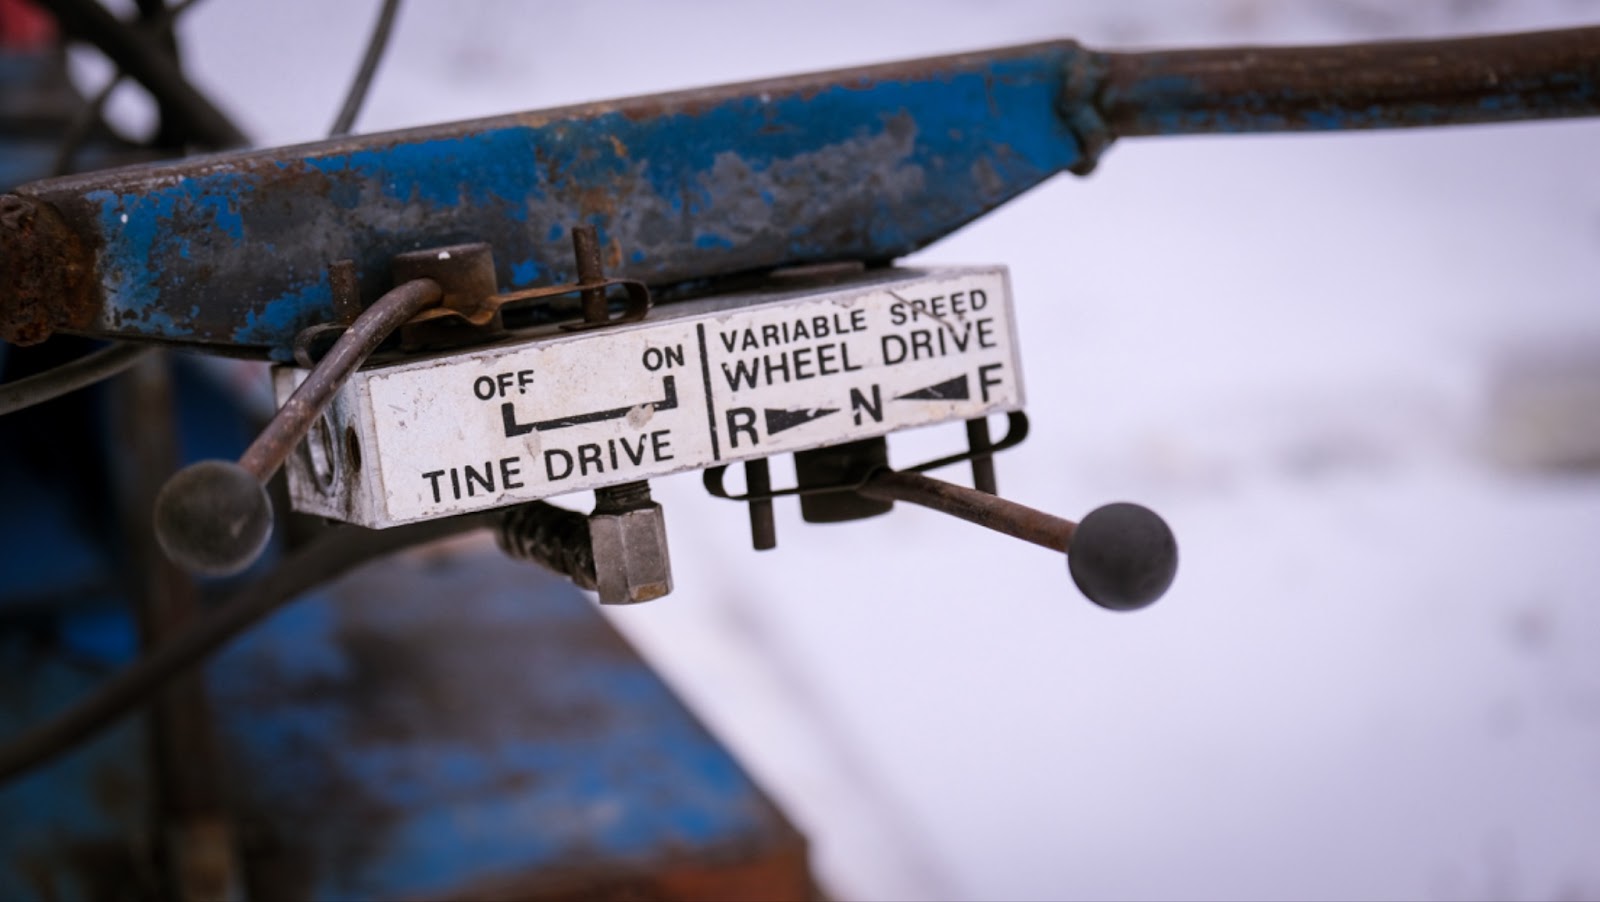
[{"x": 48, "y": 272}]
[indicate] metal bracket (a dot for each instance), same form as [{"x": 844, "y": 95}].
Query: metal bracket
[
  {"x": 472, "y": 312},
  {"x": 1016, "y": 432},
  {"x": 1083, "y": 80}
]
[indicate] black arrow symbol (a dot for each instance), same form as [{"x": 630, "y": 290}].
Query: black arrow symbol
[
  {"x": 779, "y": 420},
  {"x": 508, "y": 413},
  {"x": 949, "y": 390}
]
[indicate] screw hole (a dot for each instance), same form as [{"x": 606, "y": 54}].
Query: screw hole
[
  {"x": 352, "y": 447},
  {"x": 319, "y": 450}
]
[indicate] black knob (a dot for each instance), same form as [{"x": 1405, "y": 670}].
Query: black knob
[
  {"x": 1122, "y": 556},
  {"x": 213, "y": 517}
]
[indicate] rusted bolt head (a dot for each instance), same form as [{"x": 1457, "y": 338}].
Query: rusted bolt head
[{"x": 630, "y": 555}]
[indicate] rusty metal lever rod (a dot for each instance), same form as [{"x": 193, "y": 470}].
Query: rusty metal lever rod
[
  {"x": 1389, "y": 84},
  {"x": 214, "y": 516},
  {"x": 1122, "y": 556}
]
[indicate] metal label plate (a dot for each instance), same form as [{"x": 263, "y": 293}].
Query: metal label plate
[{"x": 699, "y": 384}]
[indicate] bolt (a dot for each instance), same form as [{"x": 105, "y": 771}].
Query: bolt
[
  {"x": 628, "y": 535},
  {"x": 346, "y": 286},
  {"x": 979, "y": 442},
  {"x": 627, "y": 531},
  {"x": 758, "y": 481},
  {"x": 586, "y": 249}
]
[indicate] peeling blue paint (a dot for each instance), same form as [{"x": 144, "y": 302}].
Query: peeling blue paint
[
  {"x": 741, "y": 179},
  {"x": 287, "y": 315},
  {"x": 525, "y": 272},
  {"x": 707, "y": 241}
]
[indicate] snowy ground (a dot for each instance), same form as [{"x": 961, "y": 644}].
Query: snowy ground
[{"x": 1377, "y": 674}]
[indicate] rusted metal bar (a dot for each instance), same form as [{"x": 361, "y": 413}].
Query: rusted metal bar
[
  {"x": 860, "y": 164},
  {"x": 46, "y": 273},
  {"x": 699, "y": 186},
  {"x": 1400, "y": 84},
  {"x": 989, "y": 511}
]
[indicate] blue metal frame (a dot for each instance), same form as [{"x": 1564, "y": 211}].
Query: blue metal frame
[{"x": 232, "y": 251}]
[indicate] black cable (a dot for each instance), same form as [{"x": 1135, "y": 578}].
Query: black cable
[
  {"x": 324, "y": 559},
  {"x": 113, "y": 360},
  {"x": 83, "y": 124},
  {"x": 69, "y": 377},
  {"x": 359, "y": 88},
  {"x": 81, "y": 127},
  {"x": 127, "y": 47}
]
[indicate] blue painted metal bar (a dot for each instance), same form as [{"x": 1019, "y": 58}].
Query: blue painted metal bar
[{"x": 232, "y": 251}]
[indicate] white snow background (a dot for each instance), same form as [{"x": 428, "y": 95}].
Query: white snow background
[{"x": 1378, "y": 674}]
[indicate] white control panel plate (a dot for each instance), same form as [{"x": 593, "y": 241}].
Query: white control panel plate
[{"x": 697, "y": 384}]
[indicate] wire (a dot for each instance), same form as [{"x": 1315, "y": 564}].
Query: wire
[
  {"x": 323, "y": 560},
  {"x": 328, "y": 557},
  {"x": 69, "y": 377},
  {"x": 113, "y": 360},
  {"x": 127, "y": 47},
  {"x": 362, "y": 84},
  {"x": 83, "y": 124}
]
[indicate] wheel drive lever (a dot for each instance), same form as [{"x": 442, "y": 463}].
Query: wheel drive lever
[{"x": 1122, "y": 556}]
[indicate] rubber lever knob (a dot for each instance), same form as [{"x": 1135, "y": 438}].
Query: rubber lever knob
[
  {"x": 1122, "y": 556},
  {"x": 213, "y": 517}
]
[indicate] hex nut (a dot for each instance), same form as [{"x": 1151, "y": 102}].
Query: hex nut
[{"x": 630, "y": 555}]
